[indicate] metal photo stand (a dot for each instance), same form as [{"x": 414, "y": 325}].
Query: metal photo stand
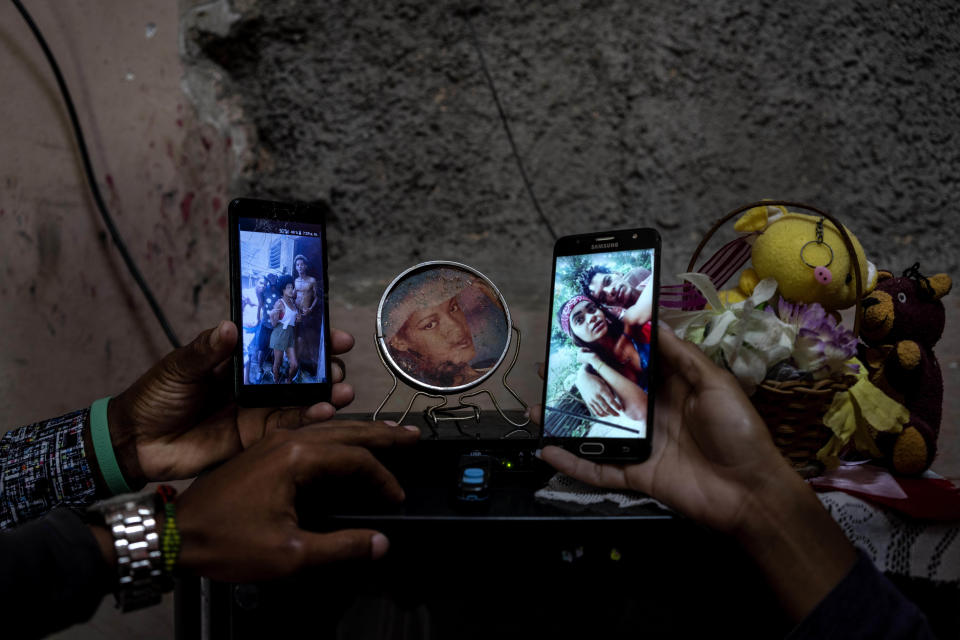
[{"x": 466, "y": 408}]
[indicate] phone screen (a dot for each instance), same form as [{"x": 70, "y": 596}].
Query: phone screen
[
  {"x": 280, "y": 302},
  {"x": 598, "y": 392}
]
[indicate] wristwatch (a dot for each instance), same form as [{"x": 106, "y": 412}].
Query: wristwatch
[{"x": 131, "y": 519}]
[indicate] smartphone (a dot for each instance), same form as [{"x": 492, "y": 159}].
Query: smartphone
[
  {"x": 601, "y": 346},
  {"x": 278, "y": 293}
]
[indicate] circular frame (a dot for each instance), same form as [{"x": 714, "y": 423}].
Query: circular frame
[{"x": 385, "y": 350}]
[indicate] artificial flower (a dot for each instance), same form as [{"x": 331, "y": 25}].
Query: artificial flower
[
  {"x": 823, "y": 346},
  {"x": 854, "y": 413},
  {"x": 740, "y": 336}
]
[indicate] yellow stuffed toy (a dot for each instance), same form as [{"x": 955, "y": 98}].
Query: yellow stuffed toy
[{"x": 805, "y": 254}]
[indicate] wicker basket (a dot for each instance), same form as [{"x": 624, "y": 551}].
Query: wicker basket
[{"x": 794, "y": 410}]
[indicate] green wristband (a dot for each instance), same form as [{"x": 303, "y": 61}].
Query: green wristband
[{"x": 103, "y": 448}]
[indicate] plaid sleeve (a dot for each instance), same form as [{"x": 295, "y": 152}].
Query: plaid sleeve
[{"x": 43, "y": 466}]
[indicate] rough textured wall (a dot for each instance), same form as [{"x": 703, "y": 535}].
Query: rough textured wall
[{"x": 624, "y": 112}]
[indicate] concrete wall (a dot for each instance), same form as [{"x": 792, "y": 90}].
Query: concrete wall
[
  {"x": 625, "y": 112},
  {"x": 75, "y": 327}
]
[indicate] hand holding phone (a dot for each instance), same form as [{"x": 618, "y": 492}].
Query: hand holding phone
[
  {"x": 598, "y": 396},
  {"x": 715, "y": 462}
]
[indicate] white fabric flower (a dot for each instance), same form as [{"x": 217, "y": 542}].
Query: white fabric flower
[{"x": 740, "y": 336}]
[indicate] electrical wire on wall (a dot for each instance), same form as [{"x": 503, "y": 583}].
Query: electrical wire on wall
[
  {"x": 92, "y": 181},
  {"x": 503, "y": 119},
  {"x": 108, "y": 220}
]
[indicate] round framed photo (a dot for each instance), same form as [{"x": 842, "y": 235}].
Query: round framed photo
[{"x": 443, "y": 327}]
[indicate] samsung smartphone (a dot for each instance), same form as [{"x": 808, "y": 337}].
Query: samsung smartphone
[
  {"x": 601, "y": 346},
  {"x": 278, "y": 292}
]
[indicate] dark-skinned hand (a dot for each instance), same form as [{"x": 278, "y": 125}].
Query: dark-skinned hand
[
  {"x": 239, "y": 523},
  {"x": 180, "y": 418},
  {"x": 710, "y": 447},
  {"x": 713, "y": 460}
]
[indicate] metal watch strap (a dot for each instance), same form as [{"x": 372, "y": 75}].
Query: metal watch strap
[{"x": 132, "y": 521}]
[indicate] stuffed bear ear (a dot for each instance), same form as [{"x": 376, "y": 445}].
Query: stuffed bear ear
[
  {"x": 758, "y": 218},
  {"x": 941, "y": 284},
  {"x": 753, "y": 220},
  {"x": 883, "y": 274}
]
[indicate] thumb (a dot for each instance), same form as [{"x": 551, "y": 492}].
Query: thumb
[
  {"x": 201, "y": 357},
  {"x": 348, "y": 544},
  {"x": 535, "y": 413}
]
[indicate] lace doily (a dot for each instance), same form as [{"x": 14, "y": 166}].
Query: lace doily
[
  {"x": 901, "y": 546},
  {"x": 929, "y": 550},
  {"x": 563, "y": 488}
]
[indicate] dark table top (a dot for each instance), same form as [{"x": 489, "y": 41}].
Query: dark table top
[{"x": 429, "y": 470}]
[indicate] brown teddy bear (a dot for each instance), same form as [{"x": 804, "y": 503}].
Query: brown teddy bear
[{"x": 903, "y": 318}]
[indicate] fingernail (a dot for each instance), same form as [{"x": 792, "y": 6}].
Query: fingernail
[
  {"x": 390, "y": 422},
  {"x": 410, "y": 427},
  {"x": 537, "y": 452},
  {"x": 378, "y": 546},
  {"x": 526, "y": 413}
]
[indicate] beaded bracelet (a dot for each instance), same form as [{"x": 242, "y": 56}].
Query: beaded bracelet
[{"x": 170, "y": 543}]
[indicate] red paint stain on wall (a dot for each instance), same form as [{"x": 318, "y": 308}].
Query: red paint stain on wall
[
  {"x": 217, "y": 203},
  {"x": 113, "y": 188},
  {"x": 222, "y": 222},
  {"x": 185, "y": 205},
  {"x": 228, "y": 142},
  {"x": 206, "y": 143},
  {"x": 179, "y": 123}
]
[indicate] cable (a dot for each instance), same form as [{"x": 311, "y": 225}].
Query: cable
[
  {"x": 506, "y": 124},
  {"x": 91, "y": 179},
  {"x": 108, "y": 220}
]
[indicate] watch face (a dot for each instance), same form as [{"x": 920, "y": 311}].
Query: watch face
[{"x": 443, "y": 327}]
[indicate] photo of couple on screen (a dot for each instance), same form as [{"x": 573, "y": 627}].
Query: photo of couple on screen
[{"x": 598, "y": 375}]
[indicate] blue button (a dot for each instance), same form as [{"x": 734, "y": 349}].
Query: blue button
[{"x": 473, "y": 476}]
